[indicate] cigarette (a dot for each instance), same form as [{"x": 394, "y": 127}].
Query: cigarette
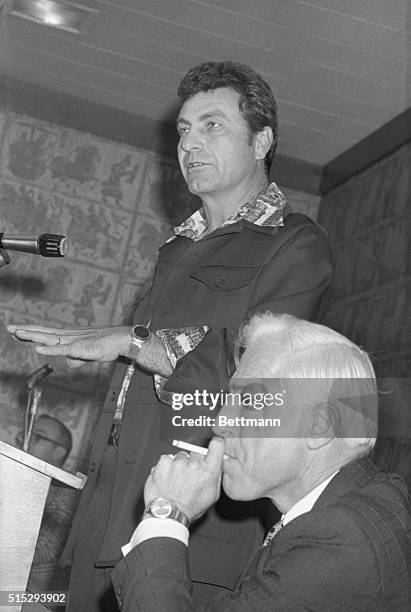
[{"x": 192, "y": 447}]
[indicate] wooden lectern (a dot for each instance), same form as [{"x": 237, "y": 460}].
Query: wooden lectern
[{"x": 24, "y": 484}]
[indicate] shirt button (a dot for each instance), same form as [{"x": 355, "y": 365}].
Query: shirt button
[
  {"x": 219, "y": 282},
  {"x": 119, "y": 590},
  {"x": 92, "y": 467}
]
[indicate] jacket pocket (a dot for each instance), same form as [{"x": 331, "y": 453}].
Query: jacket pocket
[{"x": 225, "y": 278}]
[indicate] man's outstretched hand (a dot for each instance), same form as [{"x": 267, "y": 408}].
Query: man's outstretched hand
[
  {"x": 192, "y": 481},
  {"x": 77, "y": 345}
]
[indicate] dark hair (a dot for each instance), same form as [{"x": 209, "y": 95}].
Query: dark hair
[{"x": 257, "y": 104}]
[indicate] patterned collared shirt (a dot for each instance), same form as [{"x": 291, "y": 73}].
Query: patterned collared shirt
[{"x": 269, "y": 207}]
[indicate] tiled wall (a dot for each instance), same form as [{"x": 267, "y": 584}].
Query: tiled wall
[
  {"x": 116, "y": 203},
  {"x": 369, "y": 223}
]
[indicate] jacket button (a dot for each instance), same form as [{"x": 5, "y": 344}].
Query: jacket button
[
  {"x": 92, "y": 467},
  {"x": 219, "y": 282},
  {"x": 119, "y": 592},
  {"x": 113, "y": 396}
]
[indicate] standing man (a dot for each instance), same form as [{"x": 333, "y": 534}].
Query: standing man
[{"x": 241, "y": 252}]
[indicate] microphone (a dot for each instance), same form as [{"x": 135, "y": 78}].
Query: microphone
[
  {"x": 38, "y": 375},
  {"x": 48, "y": 245}
]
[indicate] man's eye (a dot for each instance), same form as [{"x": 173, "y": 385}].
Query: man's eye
[
  {"x": 182, "y": 130},
  {"x": 213, "y": 124}
]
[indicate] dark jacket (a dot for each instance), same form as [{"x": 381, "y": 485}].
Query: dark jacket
[{"x": 352, "y": 551}]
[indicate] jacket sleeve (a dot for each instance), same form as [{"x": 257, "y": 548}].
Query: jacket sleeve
[{"x": 306, "y": 569}]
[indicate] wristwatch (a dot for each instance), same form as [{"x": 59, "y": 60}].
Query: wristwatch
[
  {"x": 139, "y": 334},
  {"x": 162, "y": 508}
]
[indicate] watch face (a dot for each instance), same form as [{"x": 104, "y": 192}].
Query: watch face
[
  {"x": 161, "y": 508},
  {"x": 141, "y": 332}
]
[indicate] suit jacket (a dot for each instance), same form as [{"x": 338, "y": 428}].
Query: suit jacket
[
  {"x": 352, "y": 551},
  {"x": 218, "y": 281}
]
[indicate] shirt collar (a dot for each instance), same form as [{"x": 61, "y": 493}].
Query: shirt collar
[
  {"x": 268, "y": 208},
  {"x": 307, "y": 502}
]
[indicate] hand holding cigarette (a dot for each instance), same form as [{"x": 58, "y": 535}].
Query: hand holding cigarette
[{"x": 192, "y": 481}]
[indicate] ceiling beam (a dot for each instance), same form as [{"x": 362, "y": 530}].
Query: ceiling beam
[
  {"x": 89, "y": 117},
  {"x": 367, "y": 152}
]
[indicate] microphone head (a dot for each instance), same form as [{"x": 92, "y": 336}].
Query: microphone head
[{"x": 53, "y": 245}]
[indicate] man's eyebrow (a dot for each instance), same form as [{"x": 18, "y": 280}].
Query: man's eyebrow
[
  {"x": 213, "y": 113},
  {"x": 203, "y": 117},
  {"x": 182, "y": 120}
]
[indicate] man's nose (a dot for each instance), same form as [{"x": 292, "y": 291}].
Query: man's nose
[
  {"x": 191, "y": 140},
  {"x": 226, "y": 425}
]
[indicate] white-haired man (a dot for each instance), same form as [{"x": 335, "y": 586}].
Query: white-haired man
[{"x": 344, "y": 542}]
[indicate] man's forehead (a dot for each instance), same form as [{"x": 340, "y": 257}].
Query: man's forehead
[{"x": 222, "y": 99}]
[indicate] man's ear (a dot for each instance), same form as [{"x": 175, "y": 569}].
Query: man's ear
[
  {"x": 263, "y": 141},
  {"x": 324, "y": 425}
]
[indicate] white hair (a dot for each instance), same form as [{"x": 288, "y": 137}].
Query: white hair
[{"x": 313, "y": 351}]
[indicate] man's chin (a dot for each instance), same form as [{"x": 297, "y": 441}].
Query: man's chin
[
  {"x": 234, "y": 491},
  {"x": 199, "y": 185},
  {"x": 195, "y": 188}
]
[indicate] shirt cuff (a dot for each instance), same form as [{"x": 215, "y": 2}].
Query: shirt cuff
[
  {"x": 181, "y": 340},
  {"x": 177, "y": 343},
  {"x": 156, "y": 528}
]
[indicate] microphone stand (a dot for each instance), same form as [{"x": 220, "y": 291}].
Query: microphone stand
[{"x": 33, "y": 401}]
